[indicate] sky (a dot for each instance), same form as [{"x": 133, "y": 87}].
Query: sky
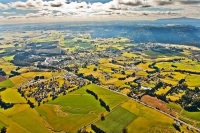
[{"x": 30, "y": 11}]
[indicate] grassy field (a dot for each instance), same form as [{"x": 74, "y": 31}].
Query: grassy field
[
  {"x": 2, "y": 124},
  {"x": 198, "y": 125},
  {"x": 12, "y": 125},
  {"x": 130, "y": 55},
  {"x": 6, "y": 66},
  {"x": 12, "y": 96},
  {"x": 33, "y": 122},
  {"x": 6, "y": 83},
  {"x": 134, "y": 117},
  {"x": 116, "y": 121},
  {"x": 175, "y": 107},
  {"x": 78, "y": 107},
  {"x": 187, "y": 121},
  {"x": 192, "y": 115},
  {"x": 193, "y": 80},
  {"x": 17, "y": 80},
  {"x": 17, "y": 108},
  {"x": 8, "y": 58}
]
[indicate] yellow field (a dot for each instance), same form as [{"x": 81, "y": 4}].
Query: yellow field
[
  {"x": 31, "y": 75},
  {"x": 15, "y": 109},
  {"x": 145, "y": 66},
  {"x": 146, "y": 118},
  {"x": 162, "y": 91},
  {"x": 110, "y": 65},
  {"x": 141, "y": 73},
  {"x": 130, "y": 79},
  {"x": 104, "y": 60},
  {"x": 17, "y": 80},
  {"x": 193, "y": 80},
  {"x": 118, "y": 75},
  {"x": 12, "y": 96},
  {"x": 130, "y": 55},
  {"x": 8, "y": 58},
  {"x": 175, "y": 97},
  {"x": 110, "y": 81},
  {"x": 6, "y": 66}
]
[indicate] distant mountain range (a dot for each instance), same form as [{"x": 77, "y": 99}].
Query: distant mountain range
[{"x": 175, "y": 30}]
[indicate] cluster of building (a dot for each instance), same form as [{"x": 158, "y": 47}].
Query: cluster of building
[{"x": 51, "y": 88}]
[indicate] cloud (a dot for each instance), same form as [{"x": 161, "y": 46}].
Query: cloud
[
  {"x": 190, "y": 2},
  {"x": 8, "y": 13},
  {"x": 113, "y": 9},
  {"x": 164, "y": 2},
  {"x": 15, "y": 17},
  {"x": 3, "y": 6}
]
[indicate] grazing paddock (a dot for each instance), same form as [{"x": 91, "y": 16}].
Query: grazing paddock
[
  {"x": 6, "y": 83},
  {"x": 32, "y": 122},
  {"x": 192, "y": 115},
  {"x": 69, "y": 123},
  {"x": 79, "y": 106},
  {"x": 8, "y": 58},
  {"x": 175, "y": 107},
  {"x": 116, "y": 120}
]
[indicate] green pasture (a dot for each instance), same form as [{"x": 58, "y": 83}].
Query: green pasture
[
  {"x": 31, "y": 120},
  {"x": 116, "y": 120},
  {"x": 78, "y": 107},
  {"x": 191, "y": 115},
  {"x": 6, "y": 83},
  {"x": 174, "y": 107}
]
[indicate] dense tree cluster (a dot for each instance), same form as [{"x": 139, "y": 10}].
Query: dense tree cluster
[
  {"x": 2, "y": 72},
  {"x": 3, "y": 130},
  {"x": 5, "y": 105},
  {"x": 38, "y": 77},
  {"x": 2, "y": 89},
  {"x": 191, "y": 100}
]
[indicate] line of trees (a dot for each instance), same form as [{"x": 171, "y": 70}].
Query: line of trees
[
  {"x": 92, "y": 93},
  {"x": 97, "y": 129},
  {"x": 103, "y": 104}
]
